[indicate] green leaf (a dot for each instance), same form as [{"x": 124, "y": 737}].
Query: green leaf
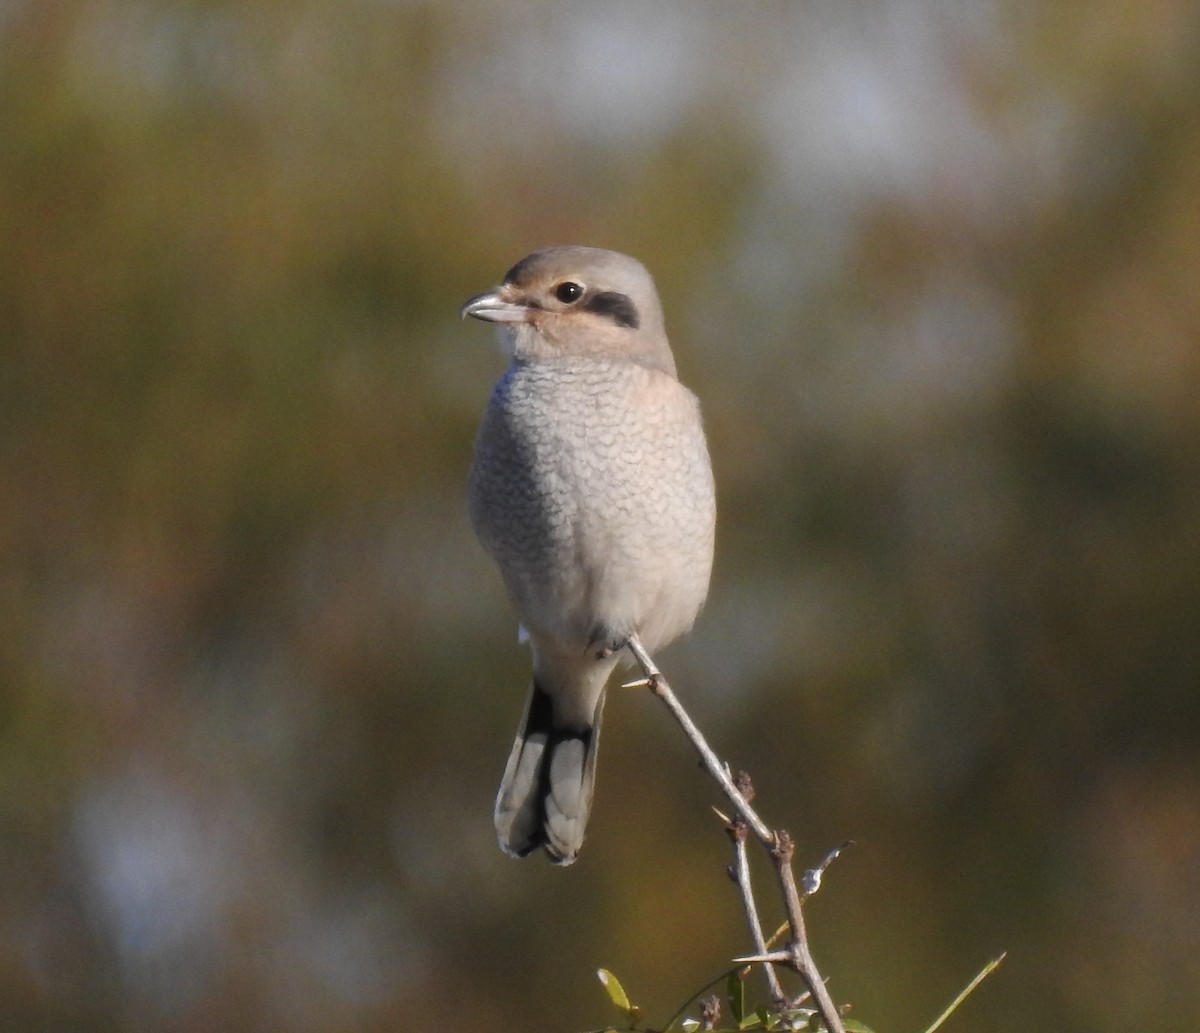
[
  {"x": 735, "y": 990},
  {"x": 616, "y": 992},
  {"x": 690, "y": 1025}
]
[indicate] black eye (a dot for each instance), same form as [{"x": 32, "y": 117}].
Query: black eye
[{"x": 568, "y": 292}]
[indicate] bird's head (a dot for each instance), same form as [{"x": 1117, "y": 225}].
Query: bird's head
[{"x": 577, "y": 302}]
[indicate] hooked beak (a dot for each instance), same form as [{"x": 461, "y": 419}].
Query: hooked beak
[{"x": 493, "y": 308}]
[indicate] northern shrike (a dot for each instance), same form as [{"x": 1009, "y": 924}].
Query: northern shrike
[{"x": 591, "y": 488}]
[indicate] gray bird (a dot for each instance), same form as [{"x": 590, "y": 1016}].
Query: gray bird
[{"x": 591, "y": 488}]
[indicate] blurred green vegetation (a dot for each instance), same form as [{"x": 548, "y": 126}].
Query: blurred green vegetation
[{"x": 932, "y": 272}]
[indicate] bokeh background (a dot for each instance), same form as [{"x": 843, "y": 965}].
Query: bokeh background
[{"x": 933, "y": 269}]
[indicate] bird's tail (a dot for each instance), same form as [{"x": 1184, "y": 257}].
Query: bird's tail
[{"x": 546, "y": 794}]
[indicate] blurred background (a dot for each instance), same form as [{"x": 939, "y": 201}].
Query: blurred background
[{"x": 932, "y": 268}]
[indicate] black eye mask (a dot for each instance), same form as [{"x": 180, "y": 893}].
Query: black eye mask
[{"x": 617, "y": 307}]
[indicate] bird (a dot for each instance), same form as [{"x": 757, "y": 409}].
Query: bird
[{"x": 592, "y": 489}]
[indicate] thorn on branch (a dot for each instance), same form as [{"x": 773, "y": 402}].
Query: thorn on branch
[{"x": 770, "y": 958}]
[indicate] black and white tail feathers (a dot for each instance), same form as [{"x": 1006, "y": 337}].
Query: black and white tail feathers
[{"x": 546, "y": 794}]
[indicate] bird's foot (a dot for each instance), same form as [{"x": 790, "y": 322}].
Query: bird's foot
[{"x": 605, "y": 643}]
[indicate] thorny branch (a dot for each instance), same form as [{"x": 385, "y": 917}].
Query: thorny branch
[{"x": 779, "y": 845}]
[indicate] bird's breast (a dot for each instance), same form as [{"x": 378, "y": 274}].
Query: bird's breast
[{"x": 591, "y": 487}]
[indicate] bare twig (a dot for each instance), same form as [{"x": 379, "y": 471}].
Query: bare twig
[
  {"x": 658, "y": 685},
  {"x": 801, "y": 957},
  {"x": 797, "y": 955},
  {"x": 739, "y": 871}
]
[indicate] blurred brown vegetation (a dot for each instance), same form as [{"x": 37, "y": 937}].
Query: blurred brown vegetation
[{"x": 931, "y": 268}]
